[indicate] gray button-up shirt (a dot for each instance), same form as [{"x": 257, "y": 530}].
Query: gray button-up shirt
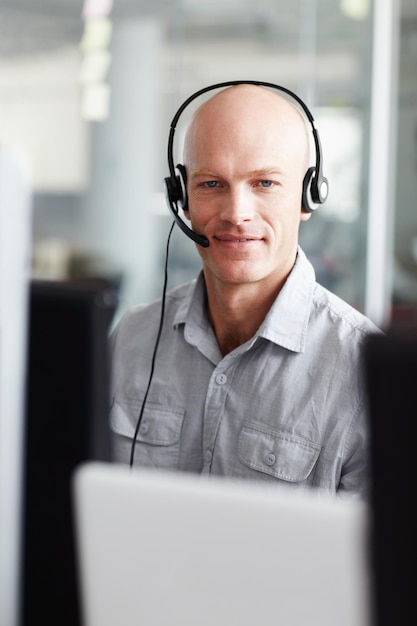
[{"x": 287, "y": 406}]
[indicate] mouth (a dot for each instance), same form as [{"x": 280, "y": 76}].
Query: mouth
[{"x": 231, "y": 239}]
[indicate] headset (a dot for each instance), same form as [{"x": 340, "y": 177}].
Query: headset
[{"x": 315, "y": 187}]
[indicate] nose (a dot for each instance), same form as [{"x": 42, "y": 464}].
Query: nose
[{"x": 238, "y": 205}]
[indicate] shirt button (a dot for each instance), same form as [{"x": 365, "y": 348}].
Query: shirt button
[
  {"x": 208, "y": 455},
  {"x": 270, "y": 458},
  {"x": 221, "y": 379},
  {"x": 144, "y": 427}
]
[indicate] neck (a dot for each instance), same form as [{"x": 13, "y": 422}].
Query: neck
[{"x": 236, "y": 312}]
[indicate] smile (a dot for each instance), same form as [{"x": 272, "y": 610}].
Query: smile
[{"x": 228, "y": 239}]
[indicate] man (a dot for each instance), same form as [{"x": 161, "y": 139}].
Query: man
[{"x": 257, "y": 373}]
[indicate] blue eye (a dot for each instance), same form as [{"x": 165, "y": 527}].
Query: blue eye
[
  {"x": 266, "y": 183},
  {"x": 211, "y": 184}
]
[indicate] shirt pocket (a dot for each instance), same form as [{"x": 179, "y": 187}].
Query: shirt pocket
[
  {"x": 158, "y": 439},
  {"x": 278, "y": 454}
]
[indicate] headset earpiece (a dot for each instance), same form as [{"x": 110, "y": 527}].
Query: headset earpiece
[
  {"x": 176, "y": 192},
  {"x": 314, "y": 192},
  {"x": 307, "y": 203},
  {"x": 176, "y": 188},
  {"x": 182, "y": 184},
  {"x": 171, "y": 187}
]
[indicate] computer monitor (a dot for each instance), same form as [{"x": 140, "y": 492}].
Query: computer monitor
[
  {"x": 390, "y": 363},
  {"x": 66, "y": 423}
]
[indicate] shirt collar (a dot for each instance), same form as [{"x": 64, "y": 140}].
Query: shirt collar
[
  {"x": 286, "y": 323},
  {"x": 193, "y": 307}
]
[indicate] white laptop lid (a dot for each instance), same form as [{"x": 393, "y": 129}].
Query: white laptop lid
[{"x": 159, "y": 549}]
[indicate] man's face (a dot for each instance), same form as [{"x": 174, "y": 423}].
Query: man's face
[{"x": 245, "y": 172}]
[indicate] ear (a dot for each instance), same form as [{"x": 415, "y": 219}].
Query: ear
[{"x": 304, "y": 216}]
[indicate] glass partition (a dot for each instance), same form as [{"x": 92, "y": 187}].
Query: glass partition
[{"x": 99, "y": 198}]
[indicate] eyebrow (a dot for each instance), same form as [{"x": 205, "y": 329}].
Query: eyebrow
[
  {"x": 204, "y": 173},
  {"x": 262, "y": 172}
]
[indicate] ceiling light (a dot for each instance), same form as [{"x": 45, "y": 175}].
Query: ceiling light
[{"x": 355, "y": 9}]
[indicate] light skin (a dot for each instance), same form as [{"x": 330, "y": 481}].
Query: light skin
[{"x": 246, "y": 154}]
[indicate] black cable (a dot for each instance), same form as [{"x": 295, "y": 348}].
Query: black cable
[{"x": 161, "y": 323}]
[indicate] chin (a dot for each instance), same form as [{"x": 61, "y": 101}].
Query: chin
[{"x": 240, "y": 276}]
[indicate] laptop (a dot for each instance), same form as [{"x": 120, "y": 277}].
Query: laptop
[{"x": 157, "y": 548}]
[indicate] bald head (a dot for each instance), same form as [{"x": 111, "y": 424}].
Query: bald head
[{"x": 242, "y": 115}]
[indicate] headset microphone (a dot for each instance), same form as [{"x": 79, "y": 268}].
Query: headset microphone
[{"x": 315, "y": 186}]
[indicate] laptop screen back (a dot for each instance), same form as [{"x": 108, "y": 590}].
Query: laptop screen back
[{"x": 159, "y": 549}]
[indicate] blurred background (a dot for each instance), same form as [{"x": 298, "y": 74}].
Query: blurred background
[{"x": 88, "y": 91}]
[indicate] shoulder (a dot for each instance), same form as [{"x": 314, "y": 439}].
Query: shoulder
[
  {"x": 330, "y": 310},
  {"x": 141, "y": 318}
]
